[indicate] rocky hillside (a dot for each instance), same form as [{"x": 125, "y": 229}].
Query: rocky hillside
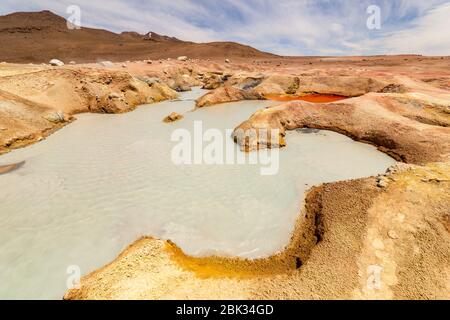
[{"x": 40, "y": 36}]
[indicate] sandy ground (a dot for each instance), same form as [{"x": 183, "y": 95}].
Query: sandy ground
[
  {"x": 373, "y": 243},
  {"x": 381, "y": 237}
]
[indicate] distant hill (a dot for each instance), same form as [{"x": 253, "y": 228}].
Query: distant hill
[{"x": 40, "y": 36}]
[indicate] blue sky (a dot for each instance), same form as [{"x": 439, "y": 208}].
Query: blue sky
[{"x": 290, "y": 27}]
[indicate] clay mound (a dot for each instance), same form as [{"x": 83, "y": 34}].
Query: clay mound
[{"x": 39, "y": 37}]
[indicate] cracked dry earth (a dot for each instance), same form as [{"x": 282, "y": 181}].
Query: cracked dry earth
[{"x": 385, "y": 237}]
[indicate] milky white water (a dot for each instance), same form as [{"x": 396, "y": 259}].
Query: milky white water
[{"x": 95, "y": 186}]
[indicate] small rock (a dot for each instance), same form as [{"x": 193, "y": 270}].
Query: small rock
[
  {"x": 56, "y": 63},
  {"x": 149, "y": 61},
  {"x": 227, "y": 61},
  {"x": 124, "y": 65},
  {"x": 392, "y": 234},
  {"x": 182, "y": 58},
  {"x": 2, "y": 128},
  {"x": 114, "y": 95},
  {"x": 40, "y": 138},
  {"x": 55, "y": 117},
  {"x": 394, "y": 88},
  {"x": 382, "y": 182},
  {"x": 173, "y": 117},
  {"x": 72, "y": 62}
]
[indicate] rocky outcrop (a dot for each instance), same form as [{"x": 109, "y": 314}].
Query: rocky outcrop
[
  {"x": 334, "y": 85},
  {"x": 278, "y": 85},
  {"x": 34, "y": 105},
  {"x": 348, "y": 86},
  {"x": 213, "y": 81},
  {"x": 227, "y": 94},
  {"x": 369, "y": 119}
]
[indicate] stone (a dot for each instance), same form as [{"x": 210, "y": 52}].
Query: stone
[
  {"x": 114, "y": 95},
  {"x": 150, "y": 80},
  {"x": 173, "y": 117},
  {"x": 227, "y": 94},
  {"x": 124, "y": 65},
  {"x": 182, "y": 58},
  {"x": 55, "y": 117},
  {"x": 72, "y": 62},
  {"x": 56, "y": 63},
  {"x": 382, "y": 182},
  {"x": 392, "y": 234},
  {"x": 149, "y": 61},
  {"x": 227, "y": 61},
  {"x": 394, "y": 88}
]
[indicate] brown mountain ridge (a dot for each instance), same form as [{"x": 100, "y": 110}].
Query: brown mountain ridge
[{"x": 37, "y": 37}]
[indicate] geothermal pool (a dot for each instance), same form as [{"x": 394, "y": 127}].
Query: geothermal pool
[{"x": 95, "y": 186}]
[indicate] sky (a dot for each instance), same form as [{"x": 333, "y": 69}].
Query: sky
[{"x": 286, "y": 27}]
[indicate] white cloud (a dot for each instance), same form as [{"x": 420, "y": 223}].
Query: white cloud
[
  {"x": 428, "y": 35},
  {"x": 284, "y": 26}
]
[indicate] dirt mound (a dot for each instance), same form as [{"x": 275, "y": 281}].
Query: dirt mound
[{"x": 39, "y": 37}]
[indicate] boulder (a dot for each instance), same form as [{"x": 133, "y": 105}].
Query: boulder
[
  {"x": 173, "y": 117},
  {"x": 182, "y": 58},
  {"x": 227, "y": 94},
  {"x": 56, "y": 63},
  {"x": 55, "y": 117}
]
